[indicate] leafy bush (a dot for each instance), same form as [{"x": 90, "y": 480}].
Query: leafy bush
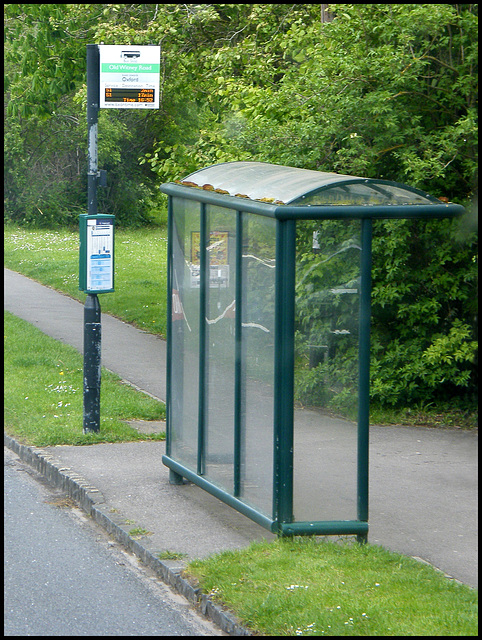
[{"x": 424, "y": 312}]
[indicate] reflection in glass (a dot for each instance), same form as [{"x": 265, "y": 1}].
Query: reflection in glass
[
  {"x": 183, "y": 414},
  {"x": 326, "y": 371},
  {"x": 219, "y": 376},
  {"x": 257, "y": 377}
]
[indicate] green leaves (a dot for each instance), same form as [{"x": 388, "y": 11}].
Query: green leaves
[
  {"x": 406, "y": 374},
  {"x": 383, "y": 90},
  {"x": 424, "y": 312}
]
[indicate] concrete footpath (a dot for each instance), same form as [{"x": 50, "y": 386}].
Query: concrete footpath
[{"x": 423, "y": 482}]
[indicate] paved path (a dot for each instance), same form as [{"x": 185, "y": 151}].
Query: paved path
[{"x": 423, "y": 482}]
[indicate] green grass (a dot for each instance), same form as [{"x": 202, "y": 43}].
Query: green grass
[
  {"x": 52, "y": 258},
  {"x": 43, "y": 393},
  {"x": 304, "y": 586},
  {"x": 139, "y": 532}
]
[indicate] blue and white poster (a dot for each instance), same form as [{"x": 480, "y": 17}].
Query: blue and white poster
[{"x": 100, "y": 255}]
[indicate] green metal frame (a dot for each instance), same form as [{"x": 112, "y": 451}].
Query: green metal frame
[
  {"x": 238, "y": 429},
  {"x": 286, "y": 216},
  {"x": 284, "y": 372}
]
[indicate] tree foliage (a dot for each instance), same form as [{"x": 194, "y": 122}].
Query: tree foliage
[
  {"x": 384, "y": 91},
  {"x": 378, "y": 90}
]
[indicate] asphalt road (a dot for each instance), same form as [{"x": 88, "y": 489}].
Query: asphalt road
[{"x": 63, "y": 577}]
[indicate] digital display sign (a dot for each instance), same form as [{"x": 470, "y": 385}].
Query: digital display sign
[{"x": 129, "y": 95}]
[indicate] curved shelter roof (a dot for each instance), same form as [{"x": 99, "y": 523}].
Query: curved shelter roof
[{"x": 303, "y": 187}]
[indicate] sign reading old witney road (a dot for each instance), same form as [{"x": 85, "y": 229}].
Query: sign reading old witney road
[{"x": 129, "y": 77}]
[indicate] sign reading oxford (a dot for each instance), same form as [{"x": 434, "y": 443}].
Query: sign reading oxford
[{"x": 129, "y": 77}]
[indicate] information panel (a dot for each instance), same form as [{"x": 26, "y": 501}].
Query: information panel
[
  {"x": 96, "y": 266},
  {"x": 100, "y": 250},
  {"x": 129, "y": 77}
]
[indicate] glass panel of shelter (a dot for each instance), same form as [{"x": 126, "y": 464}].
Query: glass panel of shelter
[
  {"x": 219, "y": 378},
  {"x": 257, "y": 358},
  {"x": 256, "y": 379},
  {"x": 184, "y": 406},
  {"x": 327, "y": 300}
]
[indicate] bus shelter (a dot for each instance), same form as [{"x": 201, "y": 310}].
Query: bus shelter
[{"x": 269, "y": 277}]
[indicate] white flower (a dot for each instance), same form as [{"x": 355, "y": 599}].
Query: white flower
[{"x": 292, "y": 587}]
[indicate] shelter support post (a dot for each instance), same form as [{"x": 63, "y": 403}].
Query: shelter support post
[{"x": 364, "y": 374}]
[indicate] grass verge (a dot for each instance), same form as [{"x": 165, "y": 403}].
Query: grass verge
[
  {"x": 43, "y": 393},
  {"x": 308, "y": 586},
  {"x": 52, "y": 258}
]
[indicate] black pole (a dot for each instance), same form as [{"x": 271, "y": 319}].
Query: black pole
[
  {"x": 93, "y": 90},
  {"x": 92, "y": 359},
  {"x": 92, "y": 325}
]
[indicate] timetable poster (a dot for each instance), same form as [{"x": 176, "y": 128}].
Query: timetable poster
[
  {"x": 217, "y": 259},
  {"x": 100, "y": 255}
]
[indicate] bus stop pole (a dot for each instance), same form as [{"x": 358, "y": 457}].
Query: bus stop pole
[
  {"x": 92, "y": 324},
  {"x": 92, "y": 366},
  {"x": 93, "y": 91}
]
